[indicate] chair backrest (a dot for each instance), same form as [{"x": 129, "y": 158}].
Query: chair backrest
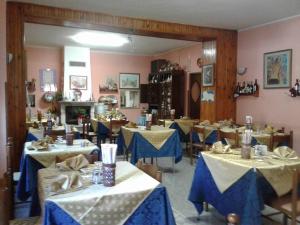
[
  {"x": 115, "y": 126},
  {"x": 151, "y": 170},
  {"x": 286, "y": 139},
  {"x": 4, "y": 199},
  {"x": 294, "y": 200},
  {"x": 54, "y": 133},
  {"x": 234, "y": 136},
  {"x": 198, "y": 130},
  {"x": 86, "y": 128}
]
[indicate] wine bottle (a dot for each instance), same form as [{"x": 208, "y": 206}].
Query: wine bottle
[
  {"x": 296, "y": 87},
  {"x": 255, "y": 86}
]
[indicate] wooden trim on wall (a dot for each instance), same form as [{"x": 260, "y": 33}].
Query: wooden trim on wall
[{"x": 19, "y": 13}]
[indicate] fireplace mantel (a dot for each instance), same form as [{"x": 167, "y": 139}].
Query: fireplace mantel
[{"x": 63, "y": 105}]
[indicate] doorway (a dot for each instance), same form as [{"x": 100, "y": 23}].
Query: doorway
[{"x": 194, "y": 95}]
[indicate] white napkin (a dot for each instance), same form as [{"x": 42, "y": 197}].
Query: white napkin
[
  {"x": 219, "y": 148},
  {"x": 284, "y": 152}
]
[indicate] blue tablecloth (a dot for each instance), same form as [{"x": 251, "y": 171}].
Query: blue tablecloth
[
  {"x": 27, "y": 185},
  {"x": 246, "y": 197},
  {"x": 183, "y": 137},
  {"x": 102, "y": 132},
  {"x": 155, "y": 209},
  {"x": 141, "y": 148}
]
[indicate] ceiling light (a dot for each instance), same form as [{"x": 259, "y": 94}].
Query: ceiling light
[{"x": 100, "y": 39}]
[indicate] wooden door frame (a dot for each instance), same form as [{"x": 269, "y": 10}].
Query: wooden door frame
[{"x": 19, "y": 13}]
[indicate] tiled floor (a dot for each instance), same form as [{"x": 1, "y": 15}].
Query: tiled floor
[{"x": 178, "y": 186}]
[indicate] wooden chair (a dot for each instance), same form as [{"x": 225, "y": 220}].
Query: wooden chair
[
  {"x": 288, "y": 204},
  {"x": 86, "y": 130},
  {"x": 151, "y": 170},
  {"x": 197, "y": 146},
  {"x": 114, "y": 128},
  {"x": 279, "y": 138},
  {"x": 234, "y": 136}
]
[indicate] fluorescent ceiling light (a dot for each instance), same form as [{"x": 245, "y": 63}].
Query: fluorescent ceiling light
[{"x": 100, "y": 39}]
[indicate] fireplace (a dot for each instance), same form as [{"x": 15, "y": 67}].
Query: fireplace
[{"x": 73, "y": 112}]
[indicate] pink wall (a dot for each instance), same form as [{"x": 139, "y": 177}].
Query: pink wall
[
  {"x": 104, "y": 65},
  {"x": 187, "y": 59},
  {"x": 2, "y": 86},
  {"x": 43, "y": 58},
  {"x": 273, "y": 105}
]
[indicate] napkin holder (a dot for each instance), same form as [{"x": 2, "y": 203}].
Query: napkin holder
[{"x": 108, "y": 174}]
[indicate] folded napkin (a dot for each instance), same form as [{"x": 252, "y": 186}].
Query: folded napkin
[
  {"x": 66, "y": 182},
  {"x": 73, "y": 163},
  {"x": 284, "y": 152},
  {"x": 204, "y": 123},
  {"x": 219, "y": 148},
  {"x": 269, "y": 129},
  {"x": 131, "y": 125}
]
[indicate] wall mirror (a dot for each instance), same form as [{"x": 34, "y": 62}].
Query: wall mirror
[{"x": 130, "y": 98}]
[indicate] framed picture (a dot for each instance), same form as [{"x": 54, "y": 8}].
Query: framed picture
[
  {"x": 109, "y": 86},
  {"x": 278, "y": 69},
  {"x": 129, "y": 80},
  {"x": 208, "y": 75},
  {"x": 47, "y": 77},
  {"x": 78, "y": 82}
]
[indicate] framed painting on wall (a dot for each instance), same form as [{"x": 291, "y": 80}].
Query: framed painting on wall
[
  {"x": 129, "y": 80},
  {"x": 278, "y": 69},
  {"x": 208, "y": 75},
  {"x": 78, "y": 82}
]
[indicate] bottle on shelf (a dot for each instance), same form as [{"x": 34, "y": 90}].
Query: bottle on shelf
[
  {"x": 297, "y": 87},
  {"x": 251, "y": 88},
  {"x": 255, "y": 86}
]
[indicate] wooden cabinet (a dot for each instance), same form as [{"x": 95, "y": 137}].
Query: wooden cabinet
[{"x": 166, "y": 93}]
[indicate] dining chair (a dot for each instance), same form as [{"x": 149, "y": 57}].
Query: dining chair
[
  {"x": 281, "y": 139},
  {"x": 288, "y": 204},
  {"x": 201, "y": 146},
  {"x": 87, "y": 132},
  {"x": 151, "y": 170},
  {"x": 114, "y": 129},
  {"x": 230, "y": 137}
]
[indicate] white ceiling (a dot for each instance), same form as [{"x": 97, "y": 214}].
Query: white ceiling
[
  {"x": 54, "y": 36},
  {"x": 230, "y": 14}
]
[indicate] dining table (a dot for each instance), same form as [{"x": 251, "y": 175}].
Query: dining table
[
  {"x": 135, "y": 199},
  {"x": 261, "y": 137},
  {"x": 183, "y": 126},
  {"x": 34, "y": 159},
  {"x": 154, "y": 143},
  {"x": 35, "y": 134},
  {"x": 232, "y": 184}
]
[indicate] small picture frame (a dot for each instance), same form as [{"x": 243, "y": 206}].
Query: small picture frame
[
  {"x": 78, "y": 82},
  {"x": 208, "y": 75},
  {"x": 278, "y": 69},
  {"x": 129, "y": 81}
]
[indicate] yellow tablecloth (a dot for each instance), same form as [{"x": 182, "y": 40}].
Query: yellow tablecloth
[
  {"x": 226, "y": 169},
  {"x": 47, "y": 158},
  {"x": 97, "y": 203},
  {"x": 157, "y": 136},
  {"x": 184, "y": 124}
]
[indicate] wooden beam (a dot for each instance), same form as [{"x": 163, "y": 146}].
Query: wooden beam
[{"x": 19, "y": 13}]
